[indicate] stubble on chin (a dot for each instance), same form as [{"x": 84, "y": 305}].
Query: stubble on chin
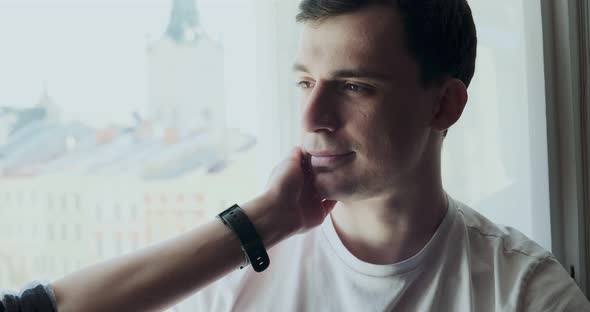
[{"x": 334, "y": 187}]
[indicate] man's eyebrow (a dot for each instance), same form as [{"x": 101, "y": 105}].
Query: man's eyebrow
[
  {"x": 347, "y": 73},
  {"x": 359, "y": 73},
  {"x": 297, "y": 67}
]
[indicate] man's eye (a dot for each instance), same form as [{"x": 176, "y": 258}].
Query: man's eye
[
  {"x": 304, "y": 84},
  {"x": 354, "y": 88}
]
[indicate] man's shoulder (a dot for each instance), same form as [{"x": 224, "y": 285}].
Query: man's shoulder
[
  {"x": 507, "y": 241},
  {"x": 528, "y": 276}
]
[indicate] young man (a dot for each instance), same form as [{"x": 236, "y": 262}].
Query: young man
[{"x": 382, "y": 81}]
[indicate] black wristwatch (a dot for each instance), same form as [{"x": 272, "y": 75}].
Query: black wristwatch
[{"x": 254, "y": 252}]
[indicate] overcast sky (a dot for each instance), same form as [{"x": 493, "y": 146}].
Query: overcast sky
[{"x": 91, "y": 54}]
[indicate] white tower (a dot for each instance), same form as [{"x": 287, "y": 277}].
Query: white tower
[{"x": 185, "y": 74}]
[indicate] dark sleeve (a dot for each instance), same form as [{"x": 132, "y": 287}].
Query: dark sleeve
[{"x": 32, "y": 300}]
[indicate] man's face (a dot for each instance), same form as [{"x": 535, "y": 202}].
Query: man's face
[{"x": 366, "y": 115}]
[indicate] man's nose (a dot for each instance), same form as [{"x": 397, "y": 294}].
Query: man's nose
[{"x": 321, "y": 110}]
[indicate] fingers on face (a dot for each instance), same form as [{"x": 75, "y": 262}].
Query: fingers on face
[{"x": 298, "y": 154}]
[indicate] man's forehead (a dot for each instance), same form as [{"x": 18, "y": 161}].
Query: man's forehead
[
  {"x": 343, "y": 30},
  {"x": 372, "y": 22},
  {"x": 360, "y": 39}
]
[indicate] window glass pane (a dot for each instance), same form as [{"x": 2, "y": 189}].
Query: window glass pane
[
  {"x": 125, "y": 122},
  {"x": 129, "y": 121},
  {"x": 495, "y": 158}
]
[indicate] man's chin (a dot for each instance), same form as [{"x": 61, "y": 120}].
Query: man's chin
[{"x": 333, "y": 189}]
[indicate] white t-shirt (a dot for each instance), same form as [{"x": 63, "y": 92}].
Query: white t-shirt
[{"x": 470, "y": 264}]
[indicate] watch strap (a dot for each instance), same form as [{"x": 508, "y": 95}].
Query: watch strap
[{"x": 255, "y": 253}]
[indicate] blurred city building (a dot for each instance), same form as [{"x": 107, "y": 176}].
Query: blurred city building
[{"x": 71, "y": 194}]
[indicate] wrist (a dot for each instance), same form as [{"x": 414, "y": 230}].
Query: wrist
[{"x": 271, "y": 225}]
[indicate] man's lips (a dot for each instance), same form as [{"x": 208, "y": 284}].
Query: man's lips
[{"x": 329, "y": 159}]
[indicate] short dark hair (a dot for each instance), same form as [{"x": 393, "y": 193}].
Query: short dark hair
[{"x": 440, "y": 34}]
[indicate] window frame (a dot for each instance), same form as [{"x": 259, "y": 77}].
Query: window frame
[{"x": 567, "y": 53}]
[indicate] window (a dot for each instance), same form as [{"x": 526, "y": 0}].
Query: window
[
  {"x": 130, "y": 119},
  {"x": 495, "y": 158},
  {"x": 151, "y": 109}
]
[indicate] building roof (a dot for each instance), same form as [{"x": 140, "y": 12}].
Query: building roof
[{"x": 184, "y": 22}]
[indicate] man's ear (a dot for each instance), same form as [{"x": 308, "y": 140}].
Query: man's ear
[{"x": 450, "y": 104}]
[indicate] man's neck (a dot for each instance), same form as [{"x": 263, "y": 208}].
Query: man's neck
[{"x": 393, "y": 228}]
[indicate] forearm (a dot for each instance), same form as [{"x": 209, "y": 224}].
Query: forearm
[{"x": 158, "y": 276}]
